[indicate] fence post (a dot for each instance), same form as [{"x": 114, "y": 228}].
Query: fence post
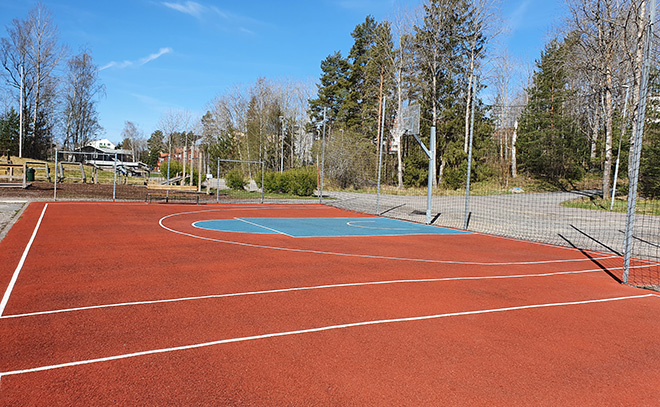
[
  {"x": 429, "y": 191},
  {"x": 55, "y": 188},
  {"x": 322, "y": 160},
  {"x": 380, "y": 158},
  {"x": 637, "y": 148},
  {"x": 114, "y": 183},
  {"x": 469, "y": 166}
]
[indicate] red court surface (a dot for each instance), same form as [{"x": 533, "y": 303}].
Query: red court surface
[{"x": 129, "y": 304}]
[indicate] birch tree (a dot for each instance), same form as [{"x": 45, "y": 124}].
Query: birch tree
[
  {"x": 30, "y": 55},
  {"x": 81, "y": 92}
]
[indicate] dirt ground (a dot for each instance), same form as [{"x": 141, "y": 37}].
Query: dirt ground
[
  {"x": 45, "y": 190},
  {"x": 40, "y": 190}
]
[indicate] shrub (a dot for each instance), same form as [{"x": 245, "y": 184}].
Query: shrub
[
  {"x": 300, "y": 182},
  {"x": 235, "y": 180}
]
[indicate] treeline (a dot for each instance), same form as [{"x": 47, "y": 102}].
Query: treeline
[
  {"x": 566, "y": 122},
  {"x": 430, "y": 58},
  {"x": 574, "y": 117},
  {"x": 44, "y": 89},
  {"x": 584, "y": 97}
]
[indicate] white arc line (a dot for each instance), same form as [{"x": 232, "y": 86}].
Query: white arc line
[
  {"x": 365, "y": 256},
  {"x": 313, "y": 330},
  {"x": 10, "y": 287}
]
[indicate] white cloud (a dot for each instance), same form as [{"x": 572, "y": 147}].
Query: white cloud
[
  {"x": 190, "y": 7},
  {"x": 518, "y": 15},
  {"x": 139, "y": 62},
  {"x": 210, "y": 14},
  {"x": 155, "y": 56}
]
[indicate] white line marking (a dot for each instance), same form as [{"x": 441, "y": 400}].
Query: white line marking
[
  {"x": 368, "y": 256},
  {"x": 10, "y": 288},
  {"x": 294, "y": 289},
  {"x": 375, "y": 227},
  {"x": 262, "y": 226},
  {"x": 313, "y": 330}
]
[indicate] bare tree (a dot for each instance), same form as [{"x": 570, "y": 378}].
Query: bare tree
[
  {"x": 402, "y": 25},
  {"x": 133, "y": 139},
  {"x": 600, "y": 26},
  {"x": 81, "y": 91},
  {"x": 172, "y": 122},
  {"x": 43, "y": 55},
  {"x": 30, "y": 56},
  {"x": 506, "y": 111},
  {"x": 485, "y": 26}
]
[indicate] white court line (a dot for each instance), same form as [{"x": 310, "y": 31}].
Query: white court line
[
  {"x": 14, "y": 277},
  {"x": 263, "y": 227},
  {"x": 294, "y": 289},
  {"x": 375, "y": 227},
  {"x": 367, "y": 256},
  {"x": 314, "y": 330}
]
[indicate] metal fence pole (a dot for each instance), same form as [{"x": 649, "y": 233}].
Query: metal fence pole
[
  {"x": 429, "y": 191},
  {"x": 217, "y": 184},
  {"x": 263, "y": 171},
  {"x": 380, "y": 158},
  {"x": 637, "y": 147},
  {"x": 469, "y": 166},
  {"x": 55, "y": 188},
  {"x": 322, "y": 160},
  {"x": 114, "y": 184}
]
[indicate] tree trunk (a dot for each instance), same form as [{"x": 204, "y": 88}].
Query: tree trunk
[
  {"x": 609, "y": 113},
  {"x": 637, "y": 77},
  {"x": 594, "y": 135}
]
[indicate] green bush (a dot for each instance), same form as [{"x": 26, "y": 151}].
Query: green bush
[
  {"x": 235, "y": 180},
  {"x": 300, "y": 182}
]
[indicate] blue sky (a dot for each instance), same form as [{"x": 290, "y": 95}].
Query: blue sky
[{"x": 157, "y": 56}]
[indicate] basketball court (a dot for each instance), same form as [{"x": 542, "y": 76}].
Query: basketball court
[{"x": 148, "y": 304}]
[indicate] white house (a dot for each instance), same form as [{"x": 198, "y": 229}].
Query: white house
[{"x": 103, "y": 144}]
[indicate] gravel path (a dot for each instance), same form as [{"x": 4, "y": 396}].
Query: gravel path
[{"x": 10, "y": 210}]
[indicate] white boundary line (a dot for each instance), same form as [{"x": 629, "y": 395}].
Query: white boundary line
[
  {"x": 366, "y": 256},
  {"x": 294, "y": 289},
  {"x": 19, "y": 267},
  {"x": 314, "y": 330}
]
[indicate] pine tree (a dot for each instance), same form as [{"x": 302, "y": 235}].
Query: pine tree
[
  {"x": 549, "y": 144},
  {"x": 359, "y": 100},
  {"x": 9, "y": 133},
  {"x": 332, "y": 90},
  {"x": 156, "y": 145}
]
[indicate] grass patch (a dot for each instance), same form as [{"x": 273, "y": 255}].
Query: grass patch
[
  {"x": 482, "y": 188},
  {"x": 643, "y": 207},
  {"x": 237, "y": 194}
]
